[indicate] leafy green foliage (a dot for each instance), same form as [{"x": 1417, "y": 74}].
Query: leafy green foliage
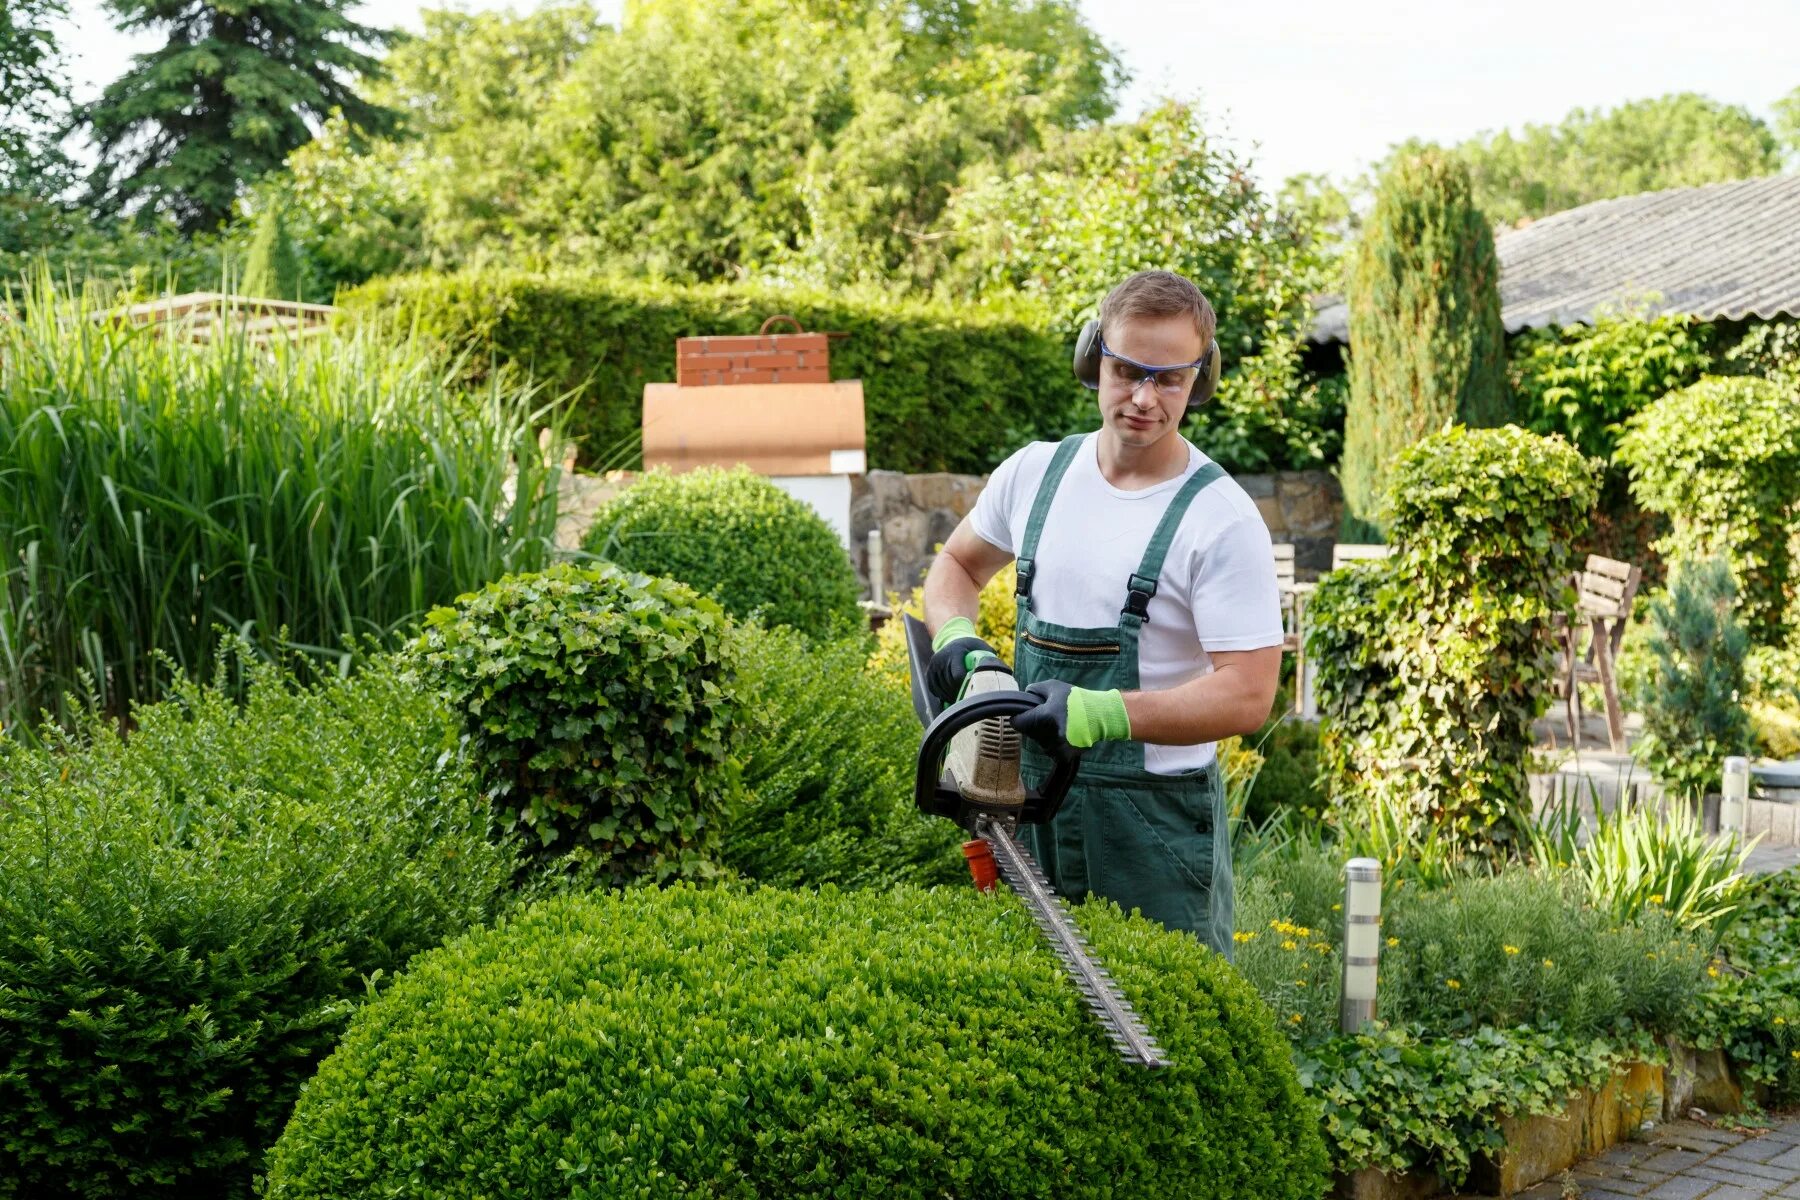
[
  {"x": 599, "y": 709},
  {"x": 1426, "y": 344},
  {"x": 904, "y": 1043},
  {"x": 1582, "y": 381},
  {"x": 737, "y": 537},
  {"x": 1678, "y": 140},
  {"x": 190, "y": 916},
  {"x": 1434, "y": 662},
  {"x": 273, "y": 268},
  {"x": 152, "y": 490},
  {"x": 947, "y": 387},
  {"x": 1693, "y": 703},
  {"x": 34, "y": 80},
  {"x": 829, "y": 754},
  {"x": 1287, "y": 780},
  {"x": 223, "y": 100},
  {"x": 1269, "y": 414},
  {"x": 1721, "y": 459},
  {"x": 701, "y": 140},
  {"x": 1752, "y": 1009},
  {"x": 1399, "y": 1101}
]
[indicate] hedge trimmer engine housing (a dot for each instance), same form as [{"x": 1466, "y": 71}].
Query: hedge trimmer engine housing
[{"x": 968, "y": 770}]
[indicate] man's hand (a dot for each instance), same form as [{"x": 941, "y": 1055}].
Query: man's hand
[
  {"x": 956, "y": 651},
  {"x": 1072, "y": 718}
]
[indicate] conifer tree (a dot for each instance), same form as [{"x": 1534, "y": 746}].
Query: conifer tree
[
  {"x": 272, "y": 269},
  {"x": 1426, "y": 344},
  {"x": 238, "y": 84}
]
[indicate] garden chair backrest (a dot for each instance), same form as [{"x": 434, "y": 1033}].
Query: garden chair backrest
[
  {"x": 1606, "y": 587},
  {"x": 1284, "y": 566},
  {"x": 1345, "y": 552}
]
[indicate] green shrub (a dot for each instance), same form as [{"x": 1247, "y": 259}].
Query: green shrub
[
  {"x": 1521, "y": 949},
  {"x": 1721, "y": 460},
  {"x": 829, "y": 753},
  {"x": 1693, "y": 702},
  {"x": 1426, "y": 344},
  {"x": 152, "y": 490},
  {"x": 738, "y": 537},
  {"x": 1583, "y": 381},
  {"x": 710, "y": 1042},
  {"x": 1288, "y": 780},
  {"x": 1752, "y": 1009},
  {"x": 947, "y": 387},
  {"x": 1434, "y": 662},
  {"x": 189, "y": 917},
  {"x": 599, "y": 707}
]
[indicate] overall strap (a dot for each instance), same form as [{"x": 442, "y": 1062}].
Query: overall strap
[
  {"x": 1040, "y": 509},
  {"x": 1142, "y": 585}
]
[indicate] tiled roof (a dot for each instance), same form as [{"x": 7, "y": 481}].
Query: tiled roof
[{"x": 1725, "y": 250}]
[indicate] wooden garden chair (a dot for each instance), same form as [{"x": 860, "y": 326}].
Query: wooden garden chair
[
  {"x": 1604, "y": 591},
  {"x": 1348, "y": 552}
]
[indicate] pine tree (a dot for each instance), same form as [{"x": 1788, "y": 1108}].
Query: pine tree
[
  {"x": 272, "y": 269},
  {"x": 1694, "y": 715},
  {"x": 1426, "y": 344},
  {"x": 224, "y": 100}
]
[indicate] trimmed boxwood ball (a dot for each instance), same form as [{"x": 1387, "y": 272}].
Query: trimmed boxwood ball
[
  {"x": 600, "y": 707},
  {"x": 730, "y": 1043},
  {"x": 737, "y": 537}
]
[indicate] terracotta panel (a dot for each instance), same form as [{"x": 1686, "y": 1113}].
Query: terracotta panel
[{"x": 777, "y": 429}]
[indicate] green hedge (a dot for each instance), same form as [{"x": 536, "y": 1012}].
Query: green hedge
[
  {"x": 188, "y": 919},
  {"x": 599, "y": 707},
  {"x": 947, "y": 387},
  {"x": 711, "y": 1042},
  {"x": 736, "y": 536},
  {"x": 829, "y": 754}
]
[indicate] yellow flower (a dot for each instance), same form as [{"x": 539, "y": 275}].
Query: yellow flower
[
  {"x": 1337, "y": 908},
  {"x": 1656, "y": 899},
  {"x": 1452, "y": 983},
  {"x": 1510, "y": 949},
  {"x": 1549, "y": 963},
  {"x": 1795, "y": 1053},
  {"x": 1299, "y": 983},
  {"x": 1295, "y": 1019},
  {"x": 1322, "y": 947},
  {"x": 1393, "y": 941},
  {"x": 1240, "y": 937},
  {"x": 1713, "y": 971},
  {"x": 1781, "y": 1020},
  {"x": 1650, "y": 954},
  {"x": 1289, "y": 945}
]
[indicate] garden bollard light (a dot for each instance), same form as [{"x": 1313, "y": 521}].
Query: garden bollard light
[
  {"x": 877, "y": 568},
  {"x": 1362, "y": 942},
  {"x": 1734, "y": 795}
]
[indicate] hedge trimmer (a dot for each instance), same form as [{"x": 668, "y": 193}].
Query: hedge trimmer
[{"x": 968, "y": 771}]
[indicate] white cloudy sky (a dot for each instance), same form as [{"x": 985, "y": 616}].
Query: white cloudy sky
[{"x": 1327, "y": 87}]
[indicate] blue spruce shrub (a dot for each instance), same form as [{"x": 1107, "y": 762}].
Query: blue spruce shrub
[{"x": 720, "y": 1042}]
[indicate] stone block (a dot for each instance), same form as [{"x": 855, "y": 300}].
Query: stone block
[
  {"x": 1270, "y": 508},
  {"x": 1784, "y": 824},
  {"x": 891, "y": 492},
  {"x": 1256, "y": 486},
  {"x": 1714, "y": 1089},
  {"x": 1312, "y": 555},
  {"x": 1591, "y": 1122},
  {"x": 1759, "y": 815},
  {"x": 1311, "y": 502},
  {"x": 941, "y": 489},
  {"x": 1371, "y": 1184}
]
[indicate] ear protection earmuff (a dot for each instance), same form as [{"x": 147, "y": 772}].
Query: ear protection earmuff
[{"x": 1087, "y": 366}]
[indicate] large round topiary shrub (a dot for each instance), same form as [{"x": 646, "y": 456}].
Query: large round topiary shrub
[
  {"x": 600, "y": 707},
  {"x": 714, "y": 1042},
  {"x": 738, "y": 537}
]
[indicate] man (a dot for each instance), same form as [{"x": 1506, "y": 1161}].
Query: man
[{"x": 1149, "y": 622}]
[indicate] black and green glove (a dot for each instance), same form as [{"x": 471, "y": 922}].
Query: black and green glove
[
  {"x": 1073, "y": 718},
  {"x": 955, "y": 652}
]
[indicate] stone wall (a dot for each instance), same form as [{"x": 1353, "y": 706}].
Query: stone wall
[{"x": 916, "y": 513}]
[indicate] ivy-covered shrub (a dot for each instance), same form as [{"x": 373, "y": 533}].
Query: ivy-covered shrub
[
  {"x": 599, "y": 707},
  {"x": 1693, "y": 700},
  {"x": 1583, "y": 381},
  {"x": 801, "y": 1044},
  {"x": 829, "y": 754},
  {"x": 189, "y": 917},
  {"x": 737, "y": 537},
  {"x": 1434, "y": 662},
  {"x": 1426, "y": 343},
  {"x": 1721, "y": 460},
  {"x": 947, "y": 387}
]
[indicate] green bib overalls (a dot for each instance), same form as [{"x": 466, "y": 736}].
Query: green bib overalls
[{"x": 1159, "y": 843}]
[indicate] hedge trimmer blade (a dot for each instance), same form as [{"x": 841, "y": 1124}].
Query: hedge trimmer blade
[{"x": 1102, "y": 995}]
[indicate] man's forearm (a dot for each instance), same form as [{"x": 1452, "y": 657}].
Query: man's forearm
[
  {"x": 949, "y": 592},
  {"x": 1233, "y": 700}
]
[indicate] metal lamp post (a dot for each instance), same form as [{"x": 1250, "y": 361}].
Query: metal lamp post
[{"x": 1362, "y": 942}]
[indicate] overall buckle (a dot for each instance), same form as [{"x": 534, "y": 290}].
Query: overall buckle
[{"x": 1138, "y": 594}]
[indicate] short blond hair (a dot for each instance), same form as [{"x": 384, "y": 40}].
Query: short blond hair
[{"x": 1158, "y": 294}]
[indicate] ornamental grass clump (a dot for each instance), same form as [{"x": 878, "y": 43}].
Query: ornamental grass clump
[
  {"x": 599, "y": 707},
  {"x": 717, "y": 1042},
  {"x": 829, "y": 756},
  {"x": 154, "y": 491},
  {"x": 189, "y": 917},
  {"x": 736, "y": 536}
]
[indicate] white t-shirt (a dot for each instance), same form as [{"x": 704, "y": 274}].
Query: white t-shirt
[{"x": 1217, "y": 590}]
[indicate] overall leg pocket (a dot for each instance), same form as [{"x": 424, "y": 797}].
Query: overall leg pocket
[{"x": 1159, "y": 858}]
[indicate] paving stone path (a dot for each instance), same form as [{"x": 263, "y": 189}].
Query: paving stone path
[{"x": 1685, "y": 1160}]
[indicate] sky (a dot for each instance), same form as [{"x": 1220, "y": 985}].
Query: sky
[{"x": 1326, "y": 87}]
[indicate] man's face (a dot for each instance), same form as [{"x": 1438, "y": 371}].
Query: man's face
[{"x": 1137, "y": 411}]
